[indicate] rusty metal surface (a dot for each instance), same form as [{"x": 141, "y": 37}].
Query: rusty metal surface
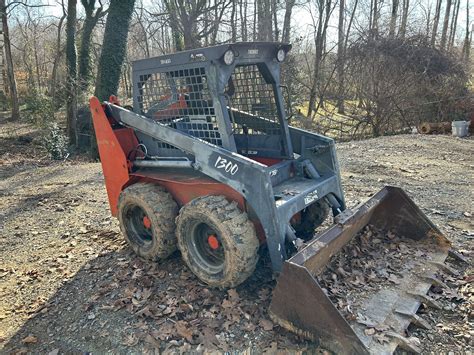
[{"x": 300, "y": 305}]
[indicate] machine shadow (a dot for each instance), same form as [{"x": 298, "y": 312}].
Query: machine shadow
[{"x": 116, "y": 301}]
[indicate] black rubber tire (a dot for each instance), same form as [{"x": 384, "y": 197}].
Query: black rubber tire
[
  {"x": 237, "y": 238},
  {"x": 311, "y": 218},
  {"x": 159, "y": 240}
]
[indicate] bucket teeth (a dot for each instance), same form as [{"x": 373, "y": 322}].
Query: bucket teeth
[
  {"x": 435, "y": 281},
  {"x": 444, "y": 267},
  {"x": 455, "y": 255},
  {"x": 404, "y": 342},
  {"x": 425, "y": 299},
  {"x": 415, "y": 319}
]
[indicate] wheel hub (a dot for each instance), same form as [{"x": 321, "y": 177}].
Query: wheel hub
[
  {"x": 146, "y": 222},
  {"x": 213, "y": 241}
]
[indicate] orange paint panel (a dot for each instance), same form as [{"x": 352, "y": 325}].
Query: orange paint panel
[
  {"x": 112, "y": 156},
  {"x": 266, "y": 161},
  {"x": 129, "y": 142},
  {"x": 185, "y": 186}
]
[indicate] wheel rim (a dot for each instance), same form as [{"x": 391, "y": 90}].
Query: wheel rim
[
  {"x": 206, "y": 248},
  {"x": 138, "y": 225}
]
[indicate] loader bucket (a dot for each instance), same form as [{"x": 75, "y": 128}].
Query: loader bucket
[{"x": 374, "y": 321}]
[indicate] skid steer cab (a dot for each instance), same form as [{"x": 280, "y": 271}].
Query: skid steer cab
[{"x": 206, "y": 163}]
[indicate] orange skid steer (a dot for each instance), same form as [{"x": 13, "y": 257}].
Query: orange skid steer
[{"x": 206, "y": 163}]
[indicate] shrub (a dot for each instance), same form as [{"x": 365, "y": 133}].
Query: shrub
[
  {"x": 56, "y": 142},
  {"x": 40, "y": 107}
]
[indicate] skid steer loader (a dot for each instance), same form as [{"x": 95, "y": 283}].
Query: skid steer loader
[{"x": 206, "y": 162}]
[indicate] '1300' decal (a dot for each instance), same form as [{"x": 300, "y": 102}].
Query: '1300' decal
[{"x": 226, "y": 165}]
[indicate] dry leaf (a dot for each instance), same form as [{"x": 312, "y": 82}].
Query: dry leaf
[
  {"x": 152, "y": 341},
  {"x": 227, "y": 304},
  {"x": 130, "y": 340},
  {"x": 266, "y": 324},
  {"x": 233, "y": 295},
  {"x": 184, "y": 331},
  {"x": 369, "y": 331},
  {"x": 30, "y": 339},
  {"x": 272, "y": 349}
]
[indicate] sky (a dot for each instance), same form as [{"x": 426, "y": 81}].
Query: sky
[{"x": 302, "y": 21}]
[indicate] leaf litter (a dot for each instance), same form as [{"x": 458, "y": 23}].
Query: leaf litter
[
  {"x": 377, "y": 259},
  {"x": 74, "y": 261}
]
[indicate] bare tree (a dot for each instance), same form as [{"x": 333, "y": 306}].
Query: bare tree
[
  {"x": 71, "y": 65},
  {"x": 243, "y": 19},
  {"x": 9, "y": 63},
  {"x": 340, "y": 58},
  {"x": 466, "y": 49},
  {"x": 393, "y": 18},
  {"x": 324, "y": 9},
  {"x": 444, "y": 32},
  {"x": 194, "y": 20},
  {"x": 90, "y": 22},
  {"x": 436, "y": 18},
  {"x": 59, "y": 54},
  {"x": 403, "y": 23},
  {"x": 289, "y": 4},
  {"x": 264, "y": 15},
  {"x": 454, "y": 23},
  {"x": 374, "y": 17}
]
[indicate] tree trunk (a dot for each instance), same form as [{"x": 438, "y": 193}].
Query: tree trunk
[
  {"x": 255, "y": 10},
  {"x": 454, "y": 23},
  {"x": 113, "y": 48},
  {"x": 466, "y": 49},
  {"x": 232, "y": 21},
  {"x": 375, "y": 19},
  {"x": 85, "y": 75},
  {"x": 243, "y": 19},
  {"x": 436, "y": 18},
  {"x": 393, "y": 18},
  {"x": 71, "y": 66},
  {"x": 9, "y": 64},
  {"x": 444, "y": 33},
  {"x": 276, "y": 32},
  {"x": 349, "y": 26},
  {"x": 287, "y": 20},
  {"x": 340, "y": 58},
  {"x": 113, "y": 53},
  {"x": 404, "y": 21},
  {"x": 319, "y": 44},
  {"x": 264, "y": 21},
  {"x": 57, "y": 58},
  {"x": 174, "y": 21}
]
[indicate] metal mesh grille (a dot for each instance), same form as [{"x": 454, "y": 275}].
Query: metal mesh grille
[
  {"x": 252, "y": 100},
  {"x": 180, "y": 99}
]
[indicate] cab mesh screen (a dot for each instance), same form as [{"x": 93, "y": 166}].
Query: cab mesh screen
[
  {"x": 252, "y": 102},
  {"x": 180, "y": 99}
]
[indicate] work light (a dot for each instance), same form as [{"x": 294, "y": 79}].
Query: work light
[
  {"x": 281, "y": 55},
  {"x": 229, "y": 57}
]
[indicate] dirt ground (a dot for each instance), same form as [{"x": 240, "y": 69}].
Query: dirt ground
[{"x": 68, "y": 282}]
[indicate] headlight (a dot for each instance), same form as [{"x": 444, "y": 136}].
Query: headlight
[
  {"x": 229, "y": 57},
  {"x": 281, "y": 55}
]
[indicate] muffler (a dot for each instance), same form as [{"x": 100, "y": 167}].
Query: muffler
[{"x": 364, "y": 319}]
